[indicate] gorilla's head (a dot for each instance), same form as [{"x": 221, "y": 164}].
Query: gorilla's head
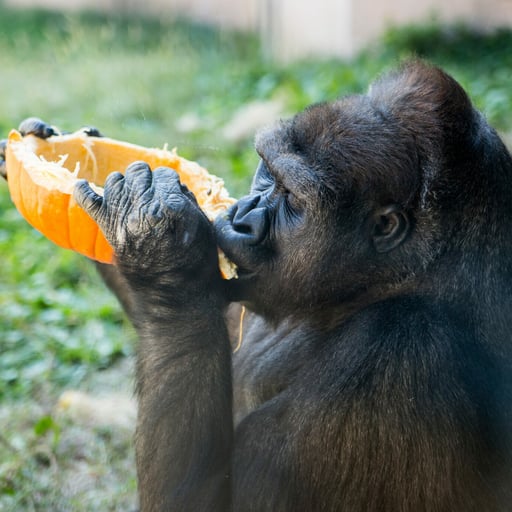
[{"x": 358, "y": 197}]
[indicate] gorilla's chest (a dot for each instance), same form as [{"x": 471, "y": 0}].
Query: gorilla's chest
[{"x": 266, "y": 363}]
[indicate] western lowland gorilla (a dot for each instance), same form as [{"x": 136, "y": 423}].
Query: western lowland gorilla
[{"x": 375, "y": 370}]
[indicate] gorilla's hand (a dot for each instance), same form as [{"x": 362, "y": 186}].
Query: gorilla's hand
[
  {"x": 3, "y": 168},
  {"x": 153, "y": 223}
]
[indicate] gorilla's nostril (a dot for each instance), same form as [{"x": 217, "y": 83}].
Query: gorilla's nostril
[
  {"x": 253, "y": 223},
  {"x": 243, "y": 218},
  {"x": 245, "y": 229},
  {"x": 244, "y": 206}
]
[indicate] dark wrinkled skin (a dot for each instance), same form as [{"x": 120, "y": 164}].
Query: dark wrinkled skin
[
  {"x": 142, "y": 203},
  {"x": 374, "y": 258}
]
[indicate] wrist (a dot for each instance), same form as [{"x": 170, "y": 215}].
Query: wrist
[{"x": 159, "y": 294}]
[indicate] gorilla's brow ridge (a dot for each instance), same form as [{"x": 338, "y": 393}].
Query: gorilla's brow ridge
[
  {"x": 293, "y": 172},
  {"x": 275, "y": 147}
]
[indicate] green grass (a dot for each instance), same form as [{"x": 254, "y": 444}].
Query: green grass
[{"x": 134, "y": 79}]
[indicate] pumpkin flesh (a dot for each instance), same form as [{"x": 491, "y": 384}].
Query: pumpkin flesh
[{"x": 42, "y": 174}]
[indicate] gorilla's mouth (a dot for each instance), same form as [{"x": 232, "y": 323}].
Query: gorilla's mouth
[
  {"x": 232, "y": 243},
  {"x": 245, "y": 275},
  {"x": 242, "y": 269}
]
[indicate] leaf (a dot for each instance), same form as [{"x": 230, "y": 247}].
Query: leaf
[{"x": 47, "y": 424}]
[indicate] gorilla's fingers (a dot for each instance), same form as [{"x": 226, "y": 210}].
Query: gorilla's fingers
[
  {"x": 37, "y": 127},
  {"x": 166, "y": 173},
  {"x": 3, "y": 168},
  {"x": 167, "y": 182},
  {"x": 138, "y": 165},
  {"x": 138, "y": 178},
  {"x": 92, "y": 131},
  {"x": 113, "y": 186},
  {"x": 89, "y": 200}
]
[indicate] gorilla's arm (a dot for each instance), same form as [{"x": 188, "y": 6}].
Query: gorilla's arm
[
  {"x": 166, "y": 253},
  {"x": 235, "y": 316},
  {"x": 118, "y": 285}
]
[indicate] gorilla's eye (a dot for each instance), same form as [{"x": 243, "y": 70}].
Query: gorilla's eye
[{"x": 292, "y": 206}]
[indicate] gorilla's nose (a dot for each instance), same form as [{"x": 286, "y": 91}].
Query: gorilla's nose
[{"x": 250, "y": 218}]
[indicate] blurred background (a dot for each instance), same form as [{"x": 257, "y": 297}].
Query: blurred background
[{"x": 202, "y": 76}]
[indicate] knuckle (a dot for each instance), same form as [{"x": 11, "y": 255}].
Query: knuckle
[
  {"x": 136, "y": 167},
  {"x": 167, "y": 185},
  {"x": 166, "y": 173},
  {"x": 139, "y": 178},
  {"x": 113, "y": 179},
  {"x": 134, "y": 223}
]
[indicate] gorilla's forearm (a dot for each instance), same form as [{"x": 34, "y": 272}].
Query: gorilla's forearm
[
  {"x": 184, "y": 428},
  {"x": 167, "y": 257},
  {"x": 118, "y": 285}
]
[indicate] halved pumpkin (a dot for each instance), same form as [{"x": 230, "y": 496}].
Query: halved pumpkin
[{"x": 42, "y": 173}]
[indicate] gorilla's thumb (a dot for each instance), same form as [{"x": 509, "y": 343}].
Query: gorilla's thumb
[{"x": 89, "y": 200}]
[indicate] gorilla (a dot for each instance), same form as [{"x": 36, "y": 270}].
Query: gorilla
[{"x": 374, "y": 259}]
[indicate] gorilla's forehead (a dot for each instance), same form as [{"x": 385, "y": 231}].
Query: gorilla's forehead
[
  {"x": 274, "y": 140},
  {"x": 348, "y": 126},
  {"x": 329, "y": 144}
]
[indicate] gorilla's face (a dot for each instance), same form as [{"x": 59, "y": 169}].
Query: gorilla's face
[
  {"x": 310, "y": 232},
  {"x": 268, "y": 234},
  {"x": 352, "y": 198},
  {"x": 264, "y": 233}
]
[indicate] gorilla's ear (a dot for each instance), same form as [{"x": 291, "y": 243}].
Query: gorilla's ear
[{"x": 390, "y": 226}]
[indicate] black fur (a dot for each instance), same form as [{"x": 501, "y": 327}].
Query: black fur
[{"x": 375, "y": 372}]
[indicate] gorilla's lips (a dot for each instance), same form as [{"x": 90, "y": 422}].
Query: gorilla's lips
[{"x": 240, "y": 233}]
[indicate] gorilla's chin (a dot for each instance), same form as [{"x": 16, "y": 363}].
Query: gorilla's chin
[{"x": 236, "y": 290}]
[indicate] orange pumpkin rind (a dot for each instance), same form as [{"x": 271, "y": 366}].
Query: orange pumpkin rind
[{"x": 42, "y": 174}]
